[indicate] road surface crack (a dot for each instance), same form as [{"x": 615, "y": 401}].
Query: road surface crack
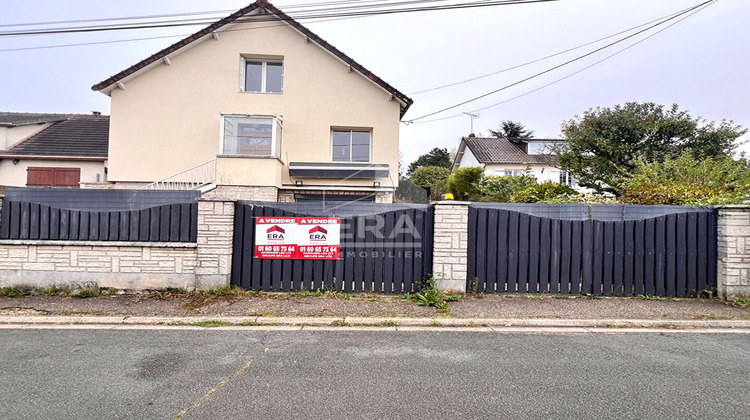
[{"x": 219, "y": 385}]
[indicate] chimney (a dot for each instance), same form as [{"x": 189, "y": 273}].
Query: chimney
[{"x": 96, "y": 113}]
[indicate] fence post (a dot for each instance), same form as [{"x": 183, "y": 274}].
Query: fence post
[
  {"x": 451, "y": 237},
  {"x": 733, "y": 269},
  {"x": 215, "y": 234}
]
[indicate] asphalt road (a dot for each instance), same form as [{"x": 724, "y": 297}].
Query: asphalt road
[{"x": 255, "y": 374}]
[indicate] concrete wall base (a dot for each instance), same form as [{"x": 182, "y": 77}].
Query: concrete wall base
[
  {"x": 452, "y": 286},
  {"x": 37, "y": 280}
]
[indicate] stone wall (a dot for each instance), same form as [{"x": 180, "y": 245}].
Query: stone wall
[
  {"x": 126, "y": 265},
  {"x": 451, "y": 238},
  {"x": 232, "y": 192},
  {"x": 733, "y": 267}
]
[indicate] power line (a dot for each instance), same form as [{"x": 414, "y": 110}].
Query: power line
[
  {"x": 317, "y": 14},
  {"x": 543, "y": 58},
  {"x": 557, "y": 66},
  {"x": 571, "y": 74}
]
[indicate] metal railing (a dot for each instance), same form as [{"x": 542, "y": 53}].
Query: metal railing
[{"x": 189, "y": 179}]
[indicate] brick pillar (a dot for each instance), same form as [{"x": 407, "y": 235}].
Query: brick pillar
[
  {"x": 451, "y": 237},
  {"x": 733, "y": 269},
  {"x": 215, "y": 232}
]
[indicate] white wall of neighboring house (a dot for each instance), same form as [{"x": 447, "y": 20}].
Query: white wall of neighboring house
[
  {"x": 9, "y": 136},
  {"x": 14, "y": 175}
]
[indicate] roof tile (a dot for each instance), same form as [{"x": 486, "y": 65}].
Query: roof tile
[{"x": 77, "y": 136}]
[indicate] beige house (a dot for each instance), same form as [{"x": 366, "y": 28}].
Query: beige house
[
  {"x": 255, "y": 106},
  {"x": 53, "y": 150},
  {"x": 512, "y": 157}
]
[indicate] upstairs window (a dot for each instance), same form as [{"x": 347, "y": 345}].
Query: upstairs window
[
  {"x": 351, "y": 146},
  {"x": 251, "y": 135},
  {"x": 262, "y": 76}
]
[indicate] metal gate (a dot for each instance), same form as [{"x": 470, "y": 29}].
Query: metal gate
[
  {"x": 598, "y": 249},
  {"x": 385, "y": 248}
]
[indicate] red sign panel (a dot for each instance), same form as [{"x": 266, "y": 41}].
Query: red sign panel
[{"x": 298, "y": 238}]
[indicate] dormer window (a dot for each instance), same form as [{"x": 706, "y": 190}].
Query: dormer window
[{"x": 262, "y": 75}]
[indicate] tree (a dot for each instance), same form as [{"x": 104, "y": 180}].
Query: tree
[
  {"x": 434, "y": 178},
  {"x": 604, "y": 144},
  {"x": 687, "y": 180},
  {"x": 464, "y": 183},
  {"x": 435, "y": 157},
  {"x": 511, "y": 129}
]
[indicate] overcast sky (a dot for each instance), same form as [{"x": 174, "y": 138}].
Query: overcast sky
[{"x": 702, "y": 63}]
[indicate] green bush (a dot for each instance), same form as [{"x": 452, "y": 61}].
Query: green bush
[
  {"x": 434, "y": 178},
  {"x": 502, "y": 188},
  {"x": 464, "y": 183},
  {"x": 539, "y": 192},
  {"x": 687, "y": 180},
  {"x": 581, "y": 198}
]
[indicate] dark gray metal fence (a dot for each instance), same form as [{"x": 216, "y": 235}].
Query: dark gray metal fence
[
  {"x": 513, "y": 248},
  {"x": 166, "y": 223},
  {"x": 380, "y": 252}
]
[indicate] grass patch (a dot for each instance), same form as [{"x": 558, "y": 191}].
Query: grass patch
[
  {"x": 380, "y": 324},
  {"x": 216, "y": 323},
  {"x": 435, "y": 324},
  {"x": 13, "y": 293},
  {"x": 594, "y": 297},
  {"x": 87, "y": 293},
  {"x": 742, "y": 302},
  {"x": 339, "y": 323},
  {"x": 672, "y": 327},
  {"x": 659, "y": 298},
  {"x": 622, "y": 326}
]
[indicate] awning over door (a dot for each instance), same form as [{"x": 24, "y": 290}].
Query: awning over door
[{"x": 342, "y": 170}]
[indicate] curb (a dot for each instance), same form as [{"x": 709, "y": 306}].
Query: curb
[{"x": 246, "y": 321}]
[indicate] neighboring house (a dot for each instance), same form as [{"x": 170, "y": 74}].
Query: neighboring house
[
  {"x": 52, "y": 150},
  {"x": 511, "y": 157},
  {"x": 274, "y": 110}
]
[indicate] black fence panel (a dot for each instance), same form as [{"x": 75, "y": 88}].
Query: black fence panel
[
  {"x": 670, "y": 251},
  {"x": 384, "y": 249},
  {"x": 34, "y": 221}
]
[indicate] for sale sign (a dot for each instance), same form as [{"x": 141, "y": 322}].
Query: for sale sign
[
  {"x": 320, "y": 238},
  {"x": 297, "y": 237}
]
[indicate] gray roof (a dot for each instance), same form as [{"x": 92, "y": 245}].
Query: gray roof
[
  {"x": 502, "y": 150},
  {"x": 10, "y": 119},
  {"x": 77, "y": 136}
]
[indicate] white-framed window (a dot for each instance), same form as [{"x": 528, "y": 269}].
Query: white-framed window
[
  {"x": 513, "y": 172},
  {"x": 262, "y": 75},
  {"x": 250, "y": 135},
  {"x": 350, "y": 145}
]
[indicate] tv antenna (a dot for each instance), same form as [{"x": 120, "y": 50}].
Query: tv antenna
[{"x": 472, "y": 116}]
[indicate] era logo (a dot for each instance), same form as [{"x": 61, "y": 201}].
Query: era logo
[
  {"x": 318, "y": 234},
  {"x": 275, "y": 233}
]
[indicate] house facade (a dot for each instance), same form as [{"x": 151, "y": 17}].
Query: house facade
[
  {"x": 272, "y": 110},
  {"x": 53, "y": 150},
  {"x": 512, "y": 157}
]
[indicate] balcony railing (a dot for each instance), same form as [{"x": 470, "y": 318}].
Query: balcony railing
[{"x": 189, "y": 179}]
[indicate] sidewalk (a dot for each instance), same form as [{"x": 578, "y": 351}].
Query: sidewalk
[{"x": 295, "y": 309}]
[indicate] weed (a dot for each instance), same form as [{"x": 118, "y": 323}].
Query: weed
[
  {"x": 429, "y": 296},
  {"x": 561, "y": 297},
  {"x": 12, "y": 292},
  {"x": 339, "y": 323},
  {"x": 590, "y": 296},
  {"x": 742, "y": 302},
  {"x": 659, "y": 298},
  {"x": 215, "y": 323},
  {"x": 389, "y": 323},
  {"x": 87, "y": 293},
  {"x": 621, "y": 326},
  {"x": 435, "y": 324},
  {"x": 473, "y": 285},
  {"x": 531, "y": 297},
  {"x": 50, "y": 291},
  {"x": 707, "y": 294},
  {"x": 712, "y": 317}
]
